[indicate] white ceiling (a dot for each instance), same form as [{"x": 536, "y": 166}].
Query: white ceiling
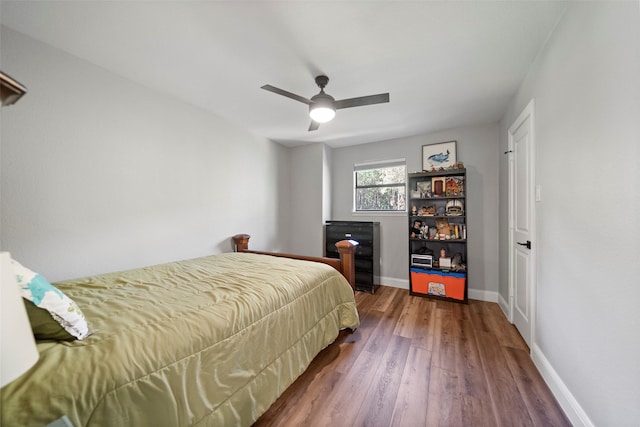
[{"x": 445, "y": 64}]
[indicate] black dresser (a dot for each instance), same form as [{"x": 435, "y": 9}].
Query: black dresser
[{"x": 367, "y": 258}]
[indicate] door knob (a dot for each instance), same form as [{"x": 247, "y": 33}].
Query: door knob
[{"x": 527, "y": 244}]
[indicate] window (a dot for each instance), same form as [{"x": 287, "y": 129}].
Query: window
[{"x": 380, "y": 186}]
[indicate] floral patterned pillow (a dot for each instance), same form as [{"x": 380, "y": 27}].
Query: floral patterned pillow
[{"x": 35, "y": 288}]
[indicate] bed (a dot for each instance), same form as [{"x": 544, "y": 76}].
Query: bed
[{"x": 211, "y": 341}]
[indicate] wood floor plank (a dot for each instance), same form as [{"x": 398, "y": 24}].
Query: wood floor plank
[
  {"x": 459, "y": 311},
  {"x": 460, "y": 375},
  {"x": 473, "y": 381},
  {"x": 478, "y": 314},
  {"x": 365, "y": 301},
  {"x": 384, "y": 298},
  {"x": 379, "y": 399},
  {"x": 502, "y": 388},
  {"x": 417, "y": 321},
  {"x": 507, "y": 334},
  {"x": 420, "y": 362},
  {"x": 409, "y": 318},
  {"x": 444, "y": 341},
  {"x": 301, "y": 411},
  {"x": 346, "y": 399},
  {"x": 380, "y": 337},
  {"x": 411, "y": 404},
  {"x": 542, "y": 407},
  {"x": 354, "y": 343},
  {"x": 443, "y": 408}
]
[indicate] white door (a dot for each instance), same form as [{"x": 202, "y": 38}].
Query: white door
[{"x": 522, "y": 224}]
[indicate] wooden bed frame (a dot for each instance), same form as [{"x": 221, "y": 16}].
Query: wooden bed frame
[{"x": 345, "y": 265}]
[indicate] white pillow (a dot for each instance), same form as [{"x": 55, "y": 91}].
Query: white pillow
[{"x": 64, "y": 310}]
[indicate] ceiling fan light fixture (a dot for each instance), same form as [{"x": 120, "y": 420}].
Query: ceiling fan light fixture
[
  {"x": 321, "y": 113},
  {"x": 321, "y": 109}
]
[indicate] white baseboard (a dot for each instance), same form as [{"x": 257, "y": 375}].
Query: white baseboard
[
  {"x": 568, "y": 403},
  {"x": 504, "y": 305},
  {"x": 483, "y": 295},
  {"x": 394, "y": 283}
]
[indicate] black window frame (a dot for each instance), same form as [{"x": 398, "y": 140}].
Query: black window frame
[{"x": 379, "y": 165}]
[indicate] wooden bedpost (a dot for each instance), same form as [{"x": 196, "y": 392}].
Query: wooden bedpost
[
  {"x": 347, "y": 250},
  {"x": 242, "y": 242}
]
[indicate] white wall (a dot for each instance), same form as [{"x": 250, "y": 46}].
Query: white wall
[
  {"x": 101, "y": 174},
  {"x": 477, "y": 147},
  {"x": 310, "y": 198},
  {"x": 307, "y": 199},
  {"x": 327, "y": 163},
  {"x": 586, "y": 85}
]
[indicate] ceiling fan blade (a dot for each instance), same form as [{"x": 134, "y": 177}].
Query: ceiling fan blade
[
  {"x": 285, "y": 93},
  {"x": 360, "y": 101},
  {"x": 314, "y": 125}
]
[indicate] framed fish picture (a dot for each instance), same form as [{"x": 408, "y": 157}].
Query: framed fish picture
[{"x": 436, "y": 156}]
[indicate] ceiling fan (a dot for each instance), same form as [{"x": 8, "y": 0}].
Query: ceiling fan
[{"x": 322, "y": 107}]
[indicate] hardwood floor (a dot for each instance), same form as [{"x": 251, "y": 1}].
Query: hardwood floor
[{"x": 420, "y": 362}]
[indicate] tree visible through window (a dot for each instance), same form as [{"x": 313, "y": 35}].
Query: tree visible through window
[{"x": 380, "y": 186}]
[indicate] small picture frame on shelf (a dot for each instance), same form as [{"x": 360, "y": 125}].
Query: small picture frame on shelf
[
  {"x": 436, "y": 156},
  {"x": 454, "y": 186},
  {"x": 438, "y": 186},
  {"x": 444, "y": 262},
  {"x": 424, "y": 188}
]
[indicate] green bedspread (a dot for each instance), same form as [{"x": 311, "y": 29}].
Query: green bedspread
[{"x": 211, "y": 341}]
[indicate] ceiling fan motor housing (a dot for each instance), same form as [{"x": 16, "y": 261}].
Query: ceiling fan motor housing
[
  {"x": 322, "y": 81},
  {"x": 322, "y": 98}
]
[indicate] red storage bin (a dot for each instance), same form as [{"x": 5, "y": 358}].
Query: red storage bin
[{"x": 439, "y": 283}]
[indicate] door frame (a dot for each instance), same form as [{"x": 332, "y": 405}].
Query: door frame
[{"x": 527, "y": 112}]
